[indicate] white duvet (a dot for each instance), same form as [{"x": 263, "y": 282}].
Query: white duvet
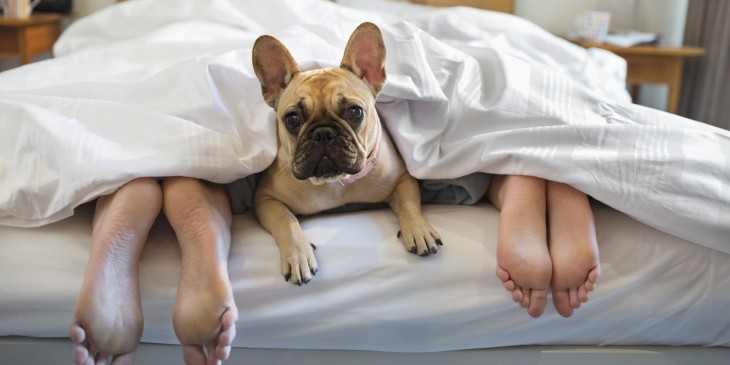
[{"x": 166, "y": 87}]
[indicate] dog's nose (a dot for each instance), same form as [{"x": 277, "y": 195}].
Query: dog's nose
[{"x": 324, "y": 134}]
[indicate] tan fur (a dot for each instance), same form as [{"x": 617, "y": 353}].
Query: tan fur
[{"x": 322, "y": 93}]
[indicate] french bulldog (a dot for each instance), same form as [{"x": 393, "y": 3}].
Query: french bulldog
[{"x": 332, "y": 149}]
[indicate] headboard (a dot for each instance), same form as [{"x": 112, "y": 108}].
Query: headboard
[{"x": 505, "y": 6}]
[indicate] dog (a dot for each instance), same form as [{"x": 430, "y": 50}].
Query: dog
[{"x": 332, "y": 149}]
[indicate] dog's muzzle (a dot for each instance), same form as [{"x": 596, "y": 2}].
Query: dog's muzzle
[{"x": 326, "y": 151}]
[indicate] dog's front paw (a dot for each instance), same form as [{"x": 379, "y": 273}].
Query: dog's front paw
[
  {"x": 298, "y": 263},
  {"x": 420, "y": 238}
]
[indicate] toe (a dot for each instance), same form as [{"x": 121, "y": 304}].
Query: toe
[
  {"x": 80, "y": 350},
  {"x": 517, "y": 295},
  {"x": 212, "y": 356},
  {"x": 305, "y": 272},
  {"x": 538, "y": 302},
  {"x": 222, "y": 352},
  {"x": 592, "y": 278},
  {"x": 525, "y": 298},
  {"x": 312, "y": 261},
  {"x": 582, "y": 294},
  {"x": 431, "y": 243},
  {"x": 81, "y": 354},
  {"x": 561, "y": 300},
  {"x": 421, "y": 246},
  {"x": 502, "y": 274},
  {"x": 77, "y": 334},
  {"x": 574, "y": 301},
  {"x": 194, "y": 355},
  {"x": 590, "y": 286},
  {"x": 225, "y": 340},
  {"x": 227, "y": 336},
  {"x": 286, "y": 270},
  {"x": 594, "y": 274},
  {"x": 409, "y": 243},
  {"x": 100, "y": 359},
  {"x": 509, "y": 285}
]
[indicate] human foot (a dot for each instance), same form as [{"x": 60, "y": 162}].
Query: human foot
[
  {"x": 573, "y": 247},
  {"x": 205, "y": 314},
  {"x": 523, "y": 260},
  {"x": 108, "y": 321},
  {"x": 204, "y": 317}
]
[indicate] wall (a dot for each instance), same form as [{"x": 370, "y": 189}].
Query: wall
[
  {"x": 666, "y": 17},
  {"x": 86, "y": 7},
  {"x": 662, "y": 16}
]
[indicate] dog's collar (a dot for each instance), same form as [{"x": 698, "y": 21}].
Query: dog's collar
[{"x": 372, "y": 159}]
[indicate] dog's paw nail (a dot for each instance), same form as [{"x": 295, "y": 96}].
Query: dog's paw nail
[
  {"x": 434, "y": 250},
  {"x": 399, "y": 234},
  {"x": 305, "y": 281},
  {"x": 424, "y": 254},
  {"x": 413, "y": 250},
  {"x": 439, "y": 242},
  {"x": 313, "y": 246},
  {"x": 287, "y": 277},
  {"x": 313, "y": 271},
  {"x": 299, "y": 283}
]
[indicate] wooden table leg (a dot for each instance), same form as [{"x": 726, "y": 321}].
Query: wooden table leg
[{"x": 675, "y": 84}]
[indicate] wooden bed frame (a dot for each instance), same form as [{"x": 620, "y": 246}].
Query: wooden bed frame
[{"x": 505, "y": 6}]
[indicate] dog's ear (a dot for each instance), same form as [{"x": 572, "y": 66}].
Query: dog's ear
[
  {"x": 274, "y": 67},
  {"x": 365, "y": 56}
]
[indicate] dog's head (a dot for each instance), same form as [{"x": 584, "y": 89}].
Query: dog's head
[{"x": 326, "y": 119}]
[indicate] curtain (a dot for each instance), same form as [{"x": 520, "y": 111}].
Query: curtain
[{"x": 705, "y": 94}]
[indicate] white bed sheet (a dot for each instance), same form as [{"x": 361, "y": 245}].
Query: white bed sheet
[
  {"x": 165, "y": 87},
  {"x": 370, "y": 294}
]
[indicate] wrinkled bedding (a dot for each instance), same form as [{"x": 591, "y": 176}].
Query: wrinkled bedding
[{"x": 165, "y": 87}]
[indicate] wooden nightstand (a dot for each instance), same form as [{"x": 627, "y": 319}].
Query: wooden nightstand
[
  {"x": 25, "y": 38},
  {"x": 653, "y": 64}
]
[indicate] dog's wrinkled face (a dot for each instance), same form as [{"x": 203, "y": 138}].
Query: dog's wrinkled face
[
  {"x": 327, "y": 122},
  {"x": 327, "y": 115}
]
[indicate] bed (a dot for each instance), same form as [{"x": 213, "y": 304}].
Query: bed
[{"x": 162, "y": 87}]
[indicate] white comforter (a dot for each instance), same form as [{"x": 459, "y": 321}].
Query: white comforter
[{"x": 165, "y": 87}]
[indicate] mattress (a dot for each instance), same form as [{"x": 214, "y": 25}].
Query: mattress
[{"x": 656, "y": 289}]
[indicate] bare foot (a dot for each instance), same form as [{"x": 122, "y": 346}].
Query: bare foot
[
  {"x": 205, "y": 314},
  {"x": 107, "y": 323},
  {"x": 523, "y": 260},
  {"x": 108, "y": 319},
  {"x": 573, "y": 247}
]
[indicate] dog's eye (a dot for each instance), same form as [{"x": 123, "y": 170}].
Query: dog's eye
[
  {"x": 292, "y": 121},
  {"x": 355, "y": 114}
]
